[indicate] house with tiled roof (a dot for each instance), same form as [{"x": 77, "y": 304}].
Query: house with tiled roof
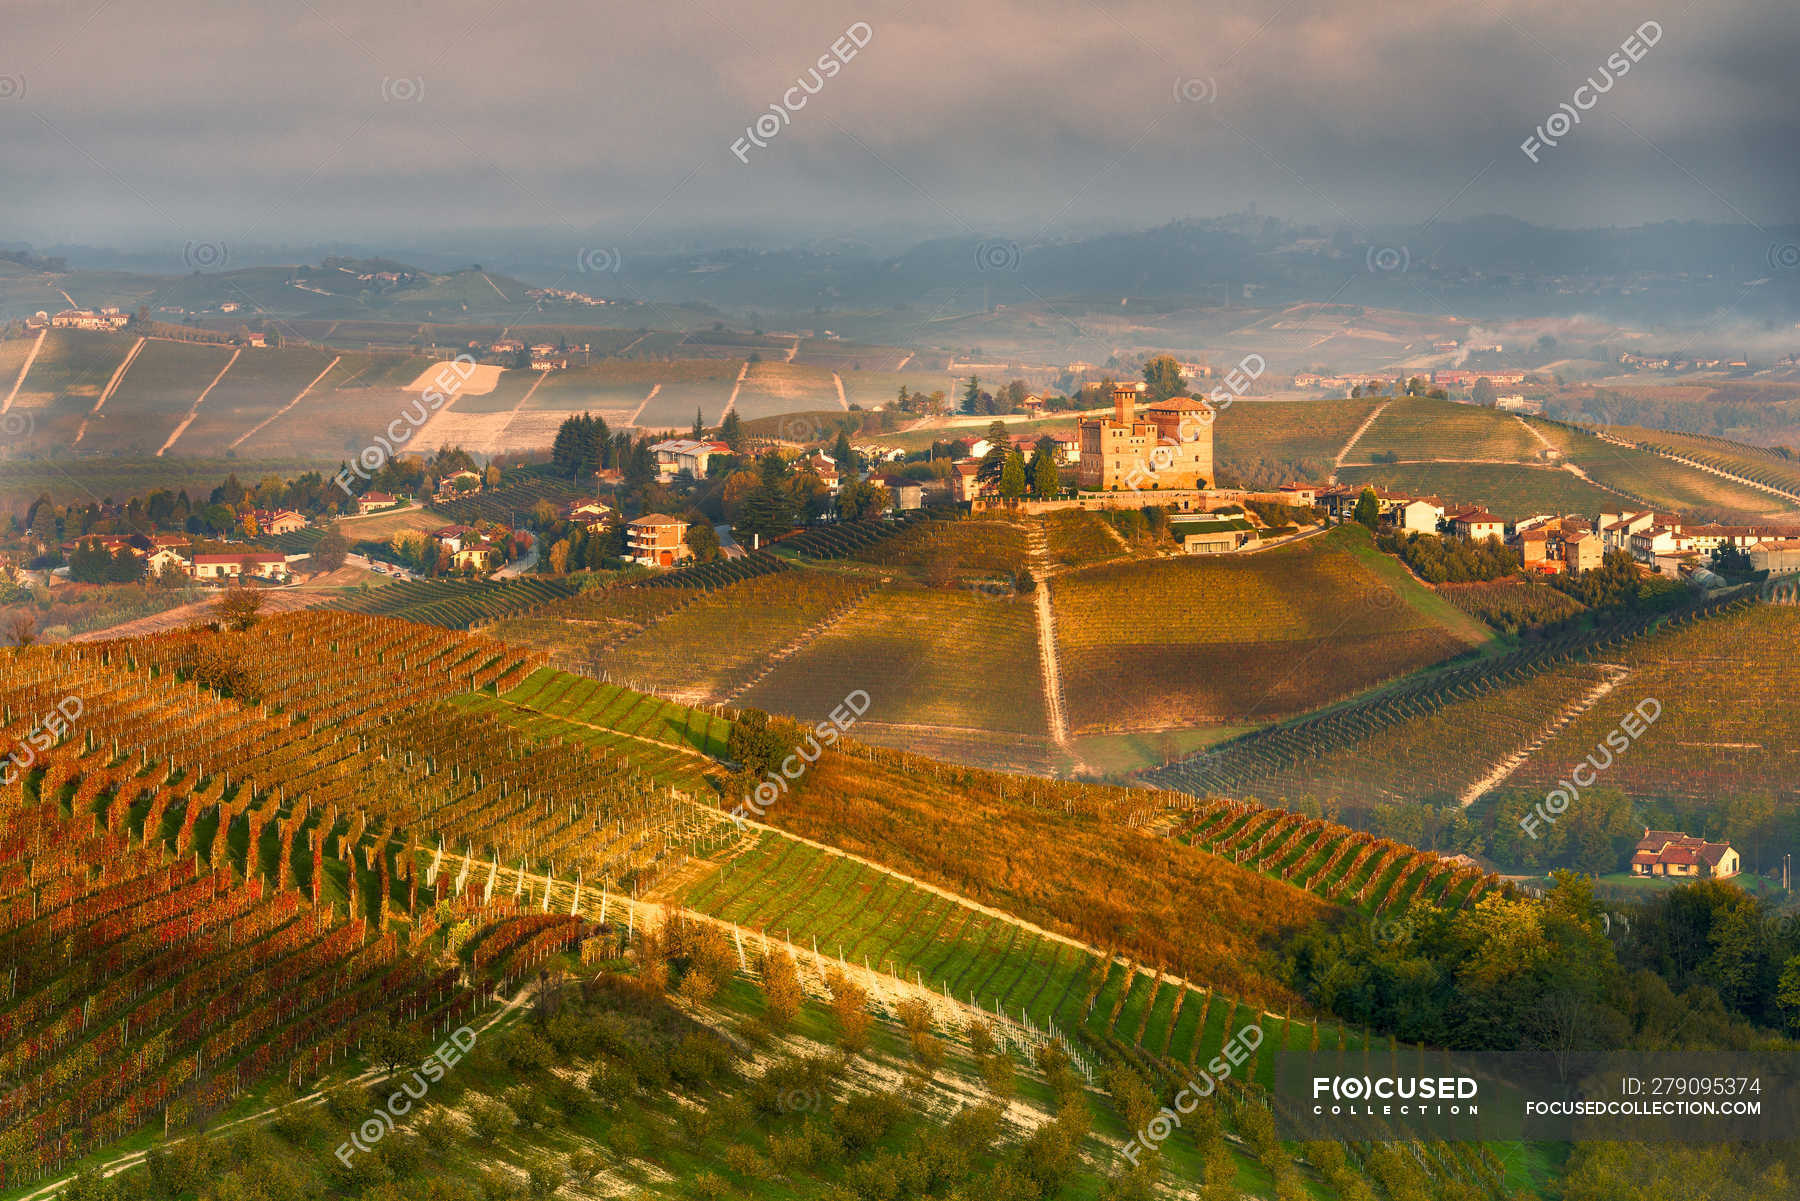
[
  {"x": 1676, "y": 854},
  {"x": 1476, "y": 525}
]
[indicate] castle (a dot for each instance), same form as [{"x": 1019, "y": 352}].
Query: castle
[{"x": 1170, "y": 447}]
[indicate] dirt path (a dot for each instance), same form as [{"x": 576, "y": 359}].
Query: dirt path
[
  {"x": 843, "y": 401},
  {"x": 275, "y": 600},
  {"x": 1357, "y": 436},
  {"x": 194, "y": 409},
  {"x": 30, "y": 358},
  {"x": 1616, "y": 674},
  {"x": 644, "y": 404},
  {"x": 1037, "y": 546},
  {"x": 301, "y": 395},
  {"x": 111, "y": 385},
  {"x": 731, "y": 403},
  {"x": 1535, "y": 433}
]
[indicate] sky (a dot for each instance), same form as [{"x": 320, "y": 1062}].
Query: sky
[{"x": 152, "y": 123}]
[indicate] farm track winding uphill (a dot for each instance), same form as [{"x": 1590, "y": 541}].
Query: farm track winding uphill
[
  {"x": 111, "y": 386},
  {"x": 1357, "y": 436},
  {"x": 1615, "y": 674},
  {"x": 736, "y": 387},
  {"x": 194, "y": 410},
  {"x": 30, "y": 358},
  {"x": 298, "y": 397},
  {"x": 637, "y": 412}
]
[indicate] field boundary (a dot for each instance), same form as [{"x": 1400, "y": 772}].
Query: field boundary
[
  {"x": 1615, "y": 674},
  {"x": 193, "y": 412},
  {"x": 298, "y": 397},
  {"x": 30, "y": 358},
  {"x": 111, "y": 386}
]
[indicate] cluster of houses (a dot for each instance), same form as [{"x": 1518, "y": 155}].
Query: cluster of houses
[
  {"x": 161, "y": 552},
  {"x": 101, "y": 320},
  {"x": 1549, "y": 543}
]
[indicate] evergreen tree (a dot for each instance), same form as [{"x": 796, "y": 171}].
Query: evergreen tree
[
  {"x": 1012, "y": 476},
  {"x": 731, "y": 433},
  {"x": 1045, "y": 479},
  {"x": 699, "y": 430},
  {"x": 1368, "y": 509},
  {"x": 1162, "y": 375}
]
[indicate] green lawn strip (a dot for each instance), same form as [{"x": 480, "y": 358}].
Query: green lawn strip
[
  {"x": 1131, "y": 1013},
  {"x": 909, "y": 946},
  {"x": 895, "y": 901},
  {"x": 1319, "y": 854},
  {"x": 1161, "y": 1021},
  {"x": 1098, "y": 1016},
  {"x": 808, "y": 907},
  {"x": 1024, "y": 986},
  {"x": 1180, "y": 1046},
  {"x": 961, "y": 950},
  {"x": 1006, "y": 965},
  {"x": 767, "y": 899},
  {"x": 755, "y": 884}
]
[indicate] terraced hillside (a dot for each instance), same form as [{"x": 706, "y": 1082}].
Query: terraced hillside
[
  {"x": 455, "y": 604},
  {"x": 1147, "y": 645},
  {"x": 1269, "y": 443}
]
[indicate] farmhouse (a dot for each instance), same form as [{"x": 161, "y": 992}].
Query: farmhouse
[
  {"x": 656, "y": 540},
  {"x": 907, "y": 494},
  {"x": 374, "y": 502},
  {"x": 1173, "y": 449},
  {"x": 1776, "y": 557},
  {"x": 1671, "y": 853},
  {"x": 477, "y": 554},
  {"x": 279, "y": 521},
  {"x": 685, "y": 455},
  {"x": 452, "y": 536},
  {"x": 459, "y": 481},
  {"x": 164, "y": 558},
  {"x": 589, "y": 513},
  {"x": 261, "y": 564},
  {"x": 1417, "y": 515},
  {"x": 964, "y": 481},
  {"x": 1476, "y": 525}
]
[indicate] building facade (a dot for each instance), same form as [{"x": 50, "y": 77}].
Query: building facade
[{"x": 1169, "y": 447}]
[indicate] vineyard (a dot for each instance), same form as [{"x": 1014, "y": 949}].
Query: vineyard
[
  {"x": 1729, "y": 725},
  {"x": 1077, "y": 538},
  {"x": 942, "y": 551},
  {"x": 1434, "y": 755},
  {"x": 202, "y": 889},
  {"x": 1773, "y": 468},
  {"x": 1419, "y": 428},
  {"x": 455, "y": 604},
  {"x": 512, "y": 501},
  {"x": 1635, "y": 471},
  {"x": 1246, "y": 765},
  {"x": 845, "y": 539},
  {"x": 862, "y": 914},
  {"x": 927, "y": 657},
  {"x": 1160, "y": 643},
  {"x": 1509, "y": 491},
  {"x": 1345, "y": 866},
  {"x": 717, "y": 645},
  {"x": 1511, "y": 605}
]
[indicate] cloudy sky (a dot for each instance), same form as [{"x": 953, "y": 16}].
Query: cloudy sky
[{"x": 145, "y": 122}]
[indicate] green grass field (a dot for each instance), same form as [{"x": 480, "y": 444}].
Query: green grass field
[{"x": 1508, "y": 491}]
